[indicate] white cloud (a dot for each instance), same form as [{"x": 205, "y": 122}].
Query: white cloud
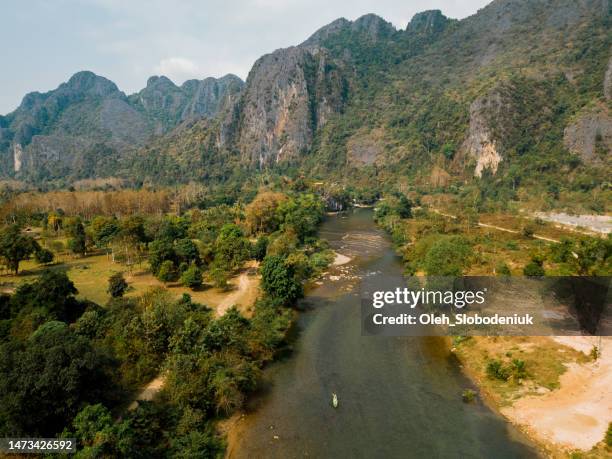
[{"x": 178, "y": 69}]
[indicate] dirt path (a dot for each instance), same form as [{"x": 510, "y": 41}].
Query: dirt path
[
  {"x": 576, "y": 415},
  {"x": 150, "y": 391},
  {"x": 499, "y": 228},
  {"x": 244, "y": 290},
  {"x": 245, "y": 294}
]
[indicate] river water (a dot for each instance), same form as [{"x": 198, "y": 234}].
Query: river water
[{"x": 398, "y": 397}]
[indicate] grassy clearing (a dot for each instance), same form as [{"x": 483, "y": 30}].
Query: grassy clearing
[
  {"x": 90, "y": 276},
  {"x": 491, "y": 247},
  {"x": 545, "y": 361}
]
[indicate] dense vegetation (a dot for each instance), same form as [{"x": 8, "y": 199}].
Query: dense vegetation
[
  {"x": 444, "y": 245},
  {"x": 70, "y": 367}
]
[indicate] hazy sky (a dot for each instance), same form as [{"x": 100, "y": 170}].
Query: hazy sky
[{"x": 45, "y": 42}]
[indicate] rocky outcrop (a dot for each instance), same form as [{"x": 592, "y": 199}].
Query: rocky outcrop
[
  {"x": 208, "y": 97},
  {"x": 364, "y": 148},
  {"x": 371, "y": 25},
  {"x": 479, "y": 143},
  {"x": 289, "y": 94},
  {"x": 166, "y": 104},
  {"x": 607, "y": 89},
  {"x": 427, "y": 23},
  {"x": 17, "y": 157},
  {"x": 590, "y": 135}
]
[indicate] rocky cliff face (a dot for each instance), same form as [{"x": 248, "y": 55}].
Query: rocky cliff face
[
  {"x": 292, "y": 93},
  {"x": 49, "y": 130},
  {"x": 480, "y": 143},
  {"x": 590, "y": 135},
  {"x": 208, "y": 97},
  {"x": 428, "y": 23},
  {"x": 289, "y": 94},
  {"x": 166, "y": 104}
]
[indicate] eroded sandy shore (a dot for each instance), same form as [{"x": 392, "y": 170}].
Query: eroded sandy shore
[{"x": 575, "y": 416}]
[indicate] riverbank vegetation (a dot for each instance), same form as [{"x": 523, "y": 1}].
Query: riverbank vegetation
[
  {"x": 435, "y": 238},
  {"x": 432, "y": 242},
  {"x": 114, "y": 301}
]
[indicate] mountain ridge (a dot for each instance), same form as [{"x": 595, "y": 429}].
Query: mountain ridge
[{"x": 516, "y": 86}]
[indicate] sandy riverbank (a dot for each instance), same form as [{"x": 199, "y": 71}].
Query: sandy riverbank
[
  {"x": 575, "y": 416},
  {"x": 340, "y": 259}
]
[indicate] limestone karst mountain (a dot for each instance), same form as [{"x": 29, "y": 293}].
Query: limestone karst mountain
[{"x": 520, "y": 87}]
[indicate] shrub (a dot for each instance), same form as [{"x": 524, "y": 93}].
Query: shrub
[
  {"x": 533, "y": 269},
  {"x": 528, "y": 230},
  {"x": 457, "y": 340},
  {"x": 167, "y": 272},
  {"x": 468, "y": 395},
  {"x": 496, "y": 370},
  {"x": 219, "y": 276},
  {"x": 43, "y": 256},
  {"x": 117, "y": 285},
  {"x": 502, "y": 269},
  {"x": 518, "y": 369},
  {"x": 512, "y": 245},
  {"x": 192, "y": 277}
]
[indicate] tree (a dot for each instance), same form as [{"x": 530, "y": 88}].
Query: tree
[
  {"x": 219, "y": 277},
  {"x": 404, "y": 207},
  {"x": 167, "y": 272},
  {"x": 278, "y": 279},
  {"x": 43, "y": 256},
  {"x": 593, "y": 256},
  {"x": 78, "y": 242},
  {"x": 160, "y": 250},
  {"x": 117, "y": 285},
  {"x": 187, "y": 251},
  {"x": 259, "y": 248},
  {"x": 197, "y": 444},
  {"x": 133, "y": 228},
  {"x": 447, "y": 257},
  {"x": 528, "y": 230},
  {"x": 192, "y": 277},
  {"x": 52, "y": 292},
  {"x": 15, "y": 247},
  {"x": 103, "y": 230},
  {"x": 92, "y": 421},
  {"x": 261, "y": 215},
  {"x": 302, "y": 214},
  {"x": 231, "y": 247},
  {"x": 46, "y": 379}
]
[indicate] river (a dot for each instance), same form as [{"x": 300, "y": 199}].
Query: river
[{"x": 398, "y": 397}]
